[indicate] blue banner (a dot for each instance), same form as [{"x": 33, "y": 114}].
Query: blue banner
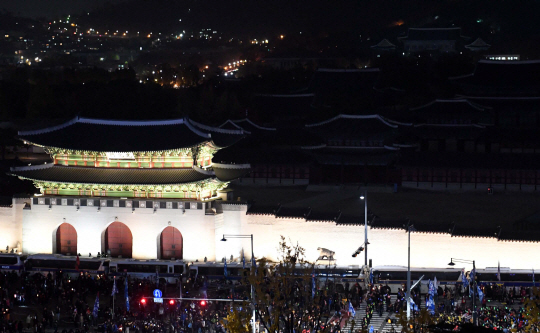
[
  {"x": 126, "y": 295},
  {"x": 225, "y": 273},
  {"x": 480, "y": 293},
  {"x": 114, "y": 289},
  {"x": 96, "y": 307},
  {"x": 464, "y": 278},
  {"x": 431, "y": 288},
  {"x": 351, "y": 309}
]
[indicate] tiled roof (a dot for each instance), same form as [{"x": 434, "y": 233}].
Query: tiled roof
[
  {"x": 228, "y": 172},
  {"x": 113, "y": 176},
  {"x": 514, "y": 75},
  {"x": 433, "y": 34},
  {"x": 129, "y": 136}
]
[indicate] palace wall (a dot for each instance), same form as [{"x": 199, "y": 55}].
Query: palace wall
[
  {"x": 11, "y": 224},
  {"x": 387, "y": 246},
  {"x": 202, "y": 232},
  {"x": 40, "y": 224}
]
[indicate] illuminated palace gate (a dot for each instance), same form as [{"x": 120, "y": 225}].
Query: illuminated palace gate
[
  {"x": 118, "y": 240},
  {"x": 66, "y": 239},
  {"x": 171, "y": 243}
]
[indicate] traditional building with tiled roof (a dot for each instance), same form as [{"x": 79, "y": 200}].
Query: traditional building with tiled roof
[{"x": 154, "y": 159}]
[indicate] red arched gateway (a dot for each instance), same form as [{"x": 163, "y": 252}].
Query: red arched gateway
[
  {"x": 171, "y": 243},
  {"x": 118, "y": 240},
  {"x": 66, "y": 239}
]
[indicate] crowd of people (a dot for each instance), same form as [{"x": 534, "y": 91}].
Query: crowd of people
[{"x": 62, "y": 303}]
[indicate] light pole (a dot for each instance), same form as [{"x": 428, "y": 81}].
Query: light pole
[
  {"x": 364, "y": 197},
  {"x": 451, "y": 263},
  {"x": 410, "y": 228},
  {"x": 224, "y": 239}
]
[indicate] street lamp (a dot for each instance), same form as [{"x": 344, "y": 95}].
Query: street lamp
[
  {"x": 410, "y": 228},
  {"x": 452, "y": 263},
  {"x": 364, "y": 197},
  {"x": 224, "y": 239}
]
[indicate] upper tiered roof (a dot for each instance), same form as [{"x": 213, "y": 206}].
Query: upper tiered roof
[
  {"x": 502, "y": 78},
  {"x": 433, "y": 34},
  {"x": 112, "y": 176},
  {"x": 102, "y": 135}
]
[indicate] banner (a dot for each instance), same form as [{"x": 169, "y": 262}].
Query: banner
[
  {"x": 96, "y": 306},
  {"x": 114, "y": 289},
  {"x": 126, "y": 295}
]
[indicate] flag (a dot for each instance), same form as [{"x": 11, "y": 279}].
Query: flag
[
  {"x": 126, "y": 295},
  {"x": 243, "y": 262},
  {"x": 351, "y": 309},
  {"x": 313, "y": 283},
  {"x": 253, "y": 262},
  {"x": 430, "y": 305},
  {"x": 480, "y": 293},
  {"x": 431, "y": 288},
  {"x": 414, "y": 307},
  {"x": 499, "y": 271},
  {"x": 96, "y": 306},
  {"x": 371, "y": 276},
  {"x": 77, "y": 263},
  {"x": 464, "y": 279},
  {"x": 472, "y": 276},
  {"x": 225, "y": 273},
  {"x": 114, "y": 289}
]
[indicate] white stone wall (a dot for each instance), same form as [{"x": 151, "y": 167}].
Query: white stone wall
[
  {"x": 40, "y": 223},
  {"x": 11, "y": 224},
  {"x": 202, "y": 236},
  {"x": 387, "y": 247}
]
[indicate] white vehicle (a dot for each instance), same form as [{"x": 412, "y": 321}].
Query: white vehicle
[
  {"x": 12, "y": 262},
  {"x": 396, "y": 276},
  {"x": 171, "y": 271},
  {"x": 51, "y": 263}
]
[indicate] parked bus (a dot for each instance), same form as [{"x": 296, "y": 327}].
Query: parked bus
[
  {"x": 170, "y": 271},
  {"x": 51, "y": 263},
  {"x": 12, "y": 262}
]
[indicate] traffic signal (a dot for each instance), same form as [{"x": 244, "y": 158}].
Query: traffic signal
[
  {"x": 171, "y": 302},
  {"x": 360, "y": 249},
  {"x": 143, "y": 301},
  {"x": 203, "y": 303}
]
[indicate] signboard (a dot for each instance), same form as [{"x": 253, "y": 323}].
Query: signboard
[
  {"x": 158, "y": 296},
  {"x": 120, "y": 156}
]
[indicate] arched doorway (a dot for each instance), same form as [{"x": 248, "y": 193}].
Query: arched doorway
[
  {"x": 118, "y": 240},
  {"x": 66, "y": 239},
  {"x": 171, "y": 243}
]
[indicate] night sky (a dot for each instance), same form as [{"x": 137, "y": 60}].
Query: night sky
[{"x": 50, "y": 8}]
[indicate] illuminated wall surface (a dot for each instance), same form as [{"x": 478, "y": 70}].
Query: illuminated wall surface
[{"x": 36, "y": 228}]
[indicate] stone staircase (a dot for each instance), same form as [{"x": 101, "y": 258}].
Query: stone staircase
[
  {"x": 358, "y": 317},
  {"x": 379, "y": 323}
]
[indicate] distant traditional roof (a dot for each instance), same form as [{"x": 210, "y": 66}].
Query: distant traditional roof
[
  {"x": 502, "y": 78},
  {"x": 430, "y": 34},
  {"x": 469, "y": 160},
  {"x": 477, "y": 45},
  {"x": 112, "y": 176},
  {"x": 129, "y": 136},
  {"x": 355, "y": 127},
  {"x": 246, "y": 125},
  {"x": 450, "y": 104},
  {"x": 384, "y": 45},
  {"x": 450, "y": 111},
  {"x": 228, "y": 172}
]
